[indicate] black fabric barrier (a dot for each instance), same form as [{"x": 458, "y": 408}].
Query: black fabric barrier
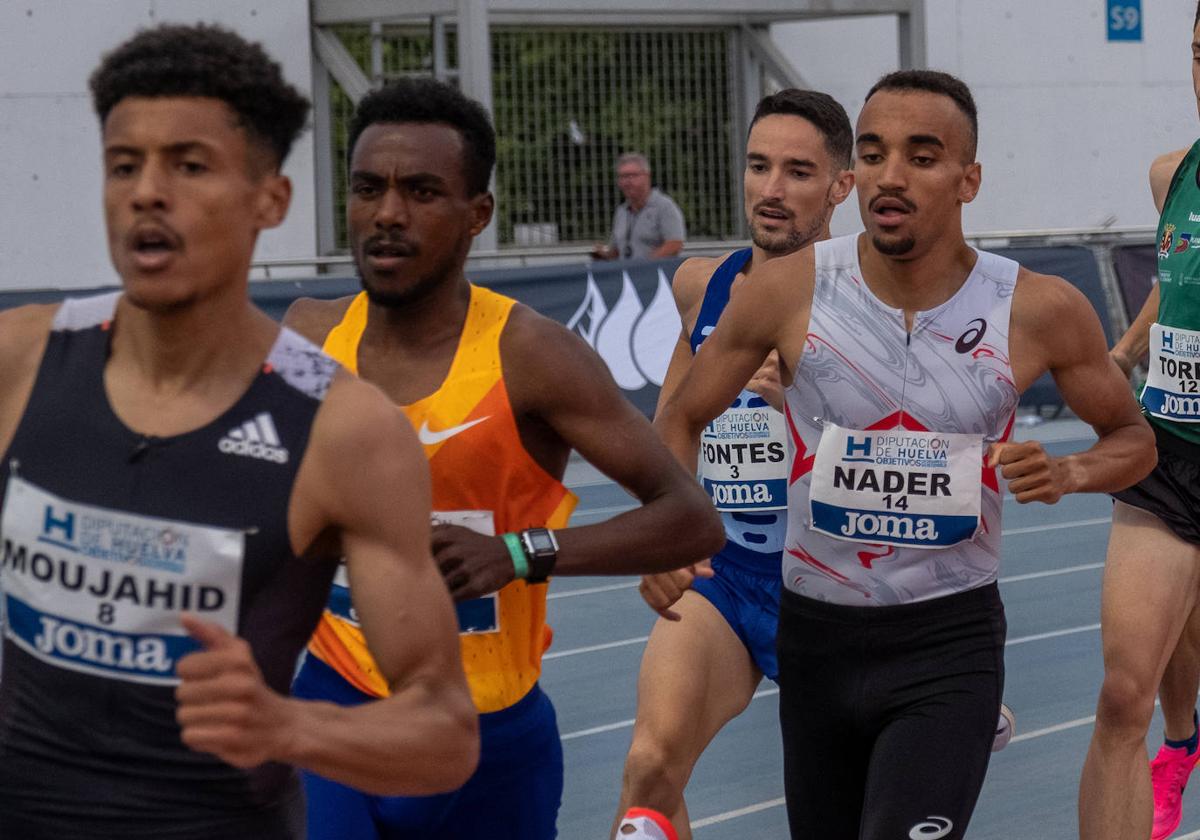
[
  {"x": 625, "y": 311},
  {"x": 1137, "y": 269},
  {"x": 1077, "y": 265}
]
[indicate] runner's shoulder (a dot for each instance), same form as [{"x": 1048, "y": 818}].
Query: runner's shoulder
[
  {"x": 1162, "y": 171},
  {"x": 530, "y": 338},
  {"x": 358, "y": 423},
  {"x": 691, "y": 280},
  {"x": 1164, "y": 166},
  {"x": 24, "y": 331},
  {"x": 313, "y": 318},
  {"x": 1042, "y": 303}
]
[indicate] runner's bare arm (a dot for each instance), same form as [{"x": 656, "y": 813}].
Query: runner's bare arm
[
  {"x": 1132, "y": 346},
  {"x": 313, "y": 318},
  {"x": 1091, "y": 385},
  {"x": 1162, "y": 170},
  {"x": 660, "y": 591},
  {"x": 365, "y": 476},
  {"x": 563, "y": 383},
  {"x": 24, "y": 332},
  {"x": 687, "y": 287},
  {"x": 771, "y": 313}
]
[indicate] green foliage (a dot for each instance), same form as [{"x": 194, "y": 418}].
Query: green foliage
[{"x": 568, "y": 102}]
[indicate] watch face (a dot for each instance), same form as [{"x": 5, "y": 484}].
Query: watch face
[{"x": 541, "y": 542}]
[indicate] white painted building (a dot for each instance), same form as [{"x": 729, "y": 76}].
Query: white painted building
[
  {"x": 1069, "y": 122},
  {"x": 51, "y": 221}
]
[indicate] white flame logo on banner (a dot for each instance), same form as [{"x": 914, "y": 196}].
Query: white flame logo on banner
[{"x": 635, "y": 342}]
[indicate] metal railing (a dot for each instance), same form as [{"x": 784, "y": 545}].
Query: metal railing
[{"x": 515, "y": 257}]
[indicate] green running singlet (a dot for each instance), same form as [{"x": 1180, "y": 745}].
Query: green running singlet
[{"x": 1179, "y": 267}]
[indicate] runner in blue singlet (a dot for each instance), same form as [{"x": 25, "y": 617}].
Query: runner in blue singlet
[{"x": 716, "y": 638}]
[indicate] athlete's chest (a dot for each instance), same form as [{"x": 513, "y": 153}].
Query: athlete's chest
[
  {"x": 1179, "y": 240},
  {"x": 864, "y": 366},
  {"x": 407, "y": 374}
]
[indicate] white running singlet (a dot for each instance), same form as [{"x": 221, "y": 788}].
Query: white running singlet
[{"x": 862, "y": 370}]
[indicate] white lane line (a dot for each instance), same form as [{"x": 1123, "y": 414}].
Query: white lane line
[
  {"x": 1075, "y": 523},
  {"x": 614, "y": 587},
  {"x": 770, "y": 692},
  {"x": 1050, "y": 730},
  {"x": 596, "y": 730},
  {"x": 1053, "y": 634},
  {"x": 593, "y": 648},
  {"x": 636, "y": 640},
  {"x": 624, "y": 724},
  {"x": 1027, "y": 736},
  {"x": 740, "y": 812},
  {"x": 592, "y": 590},
  {"x": 1086, "y": 567}
]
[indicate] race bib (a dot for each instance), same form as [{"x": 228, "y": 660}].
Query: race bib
[
  {"x": 478, "y": 615},
  {"x": 899, "y": 487},
  {"x": 101, "y": 591},
  {"x": 743, "y": 458},
  {"x": 1172, "y": 389}
]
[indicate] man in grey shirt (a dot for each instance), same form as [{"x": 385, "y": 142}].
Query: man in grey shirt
[{"x": 648, "y": 224}]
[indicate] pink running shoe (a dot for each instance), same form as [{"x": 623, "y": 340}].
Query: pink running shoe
[{"x": 1169, "y": 771}]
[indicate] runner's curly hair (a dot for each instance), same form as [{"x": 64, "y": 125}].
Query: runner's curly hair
[
  {"x": 421, "y": 100},
  {"x": 206, "y": 61}
]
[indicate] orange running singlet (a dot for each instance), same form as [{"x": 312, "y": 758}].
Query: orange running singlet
[{"x": 482, "y": 478}]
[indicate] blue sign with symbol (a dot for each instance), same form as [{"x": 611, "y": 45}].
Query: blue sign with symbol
[{"x": 1124, "y": 20}]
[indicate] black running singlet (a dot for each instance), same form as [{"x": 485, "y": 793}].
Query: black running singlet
[{"x": 106, "y": 537}]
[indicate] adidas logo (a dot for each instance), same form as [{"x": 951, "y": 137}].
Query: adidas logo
[{"x": 255, "y": 438}]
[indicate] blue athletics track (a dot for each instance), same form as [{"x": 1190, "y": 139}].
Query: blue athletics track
[{"x": 1050, "y": 580}]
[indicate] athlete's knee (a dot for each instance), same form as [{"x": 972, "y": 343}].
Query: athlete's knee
[
  {"x": 654, "y": 773},
  {"x": 1126, "y": 702}
]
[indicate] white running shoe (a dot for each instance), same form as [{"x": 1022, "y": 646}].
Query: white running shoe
[
  {"x": 645, "y": 824},
  {"x": 1006, "y": 727}
]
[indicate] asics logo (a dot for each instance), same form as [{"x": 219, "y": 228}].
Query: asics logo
[
  {"x": 933, "y": 828},
  {"x": 970, "y": 339},
  {"x": 429, "y": 437},
  {"x": 255, "y": 438}
]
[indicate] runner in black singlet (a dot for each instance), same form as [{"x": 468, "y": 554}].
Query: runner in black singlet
[{"x": 177, "y": 477}]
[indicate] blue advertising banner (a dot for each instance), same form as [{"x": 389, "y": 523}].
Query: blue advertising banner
[{"x": 625, "y": 310}]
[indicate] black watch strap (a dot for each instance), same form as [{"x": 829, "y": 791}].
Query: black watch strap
[{"x": 541, "y": 550}]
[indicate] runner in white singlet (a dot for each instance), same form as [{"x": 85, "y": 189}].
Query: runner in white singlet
[{"x": 904, "y": 352}]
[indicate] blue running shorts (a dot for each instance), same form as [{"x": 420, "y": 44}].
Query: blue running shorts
[
  {"x": 514, "y": 794},
  {"x": 749, "y": 602}
]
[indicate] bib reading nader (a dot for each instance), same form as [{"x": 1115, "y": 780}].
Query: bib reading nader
[
  {"x": 1172, "y": 389},
  {"x": 897, "y": 487},
  {"x": 100, "y": 591}
]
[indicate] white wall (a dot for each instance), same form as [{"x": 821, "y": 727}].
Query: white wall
[
  {"x": 1068, "y": 121},
  {"x": 51, "y": 224}
]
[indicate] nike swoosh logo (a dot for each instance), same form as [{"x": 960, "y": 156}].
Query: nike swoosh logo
[{"x": 430, "y": 437}]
